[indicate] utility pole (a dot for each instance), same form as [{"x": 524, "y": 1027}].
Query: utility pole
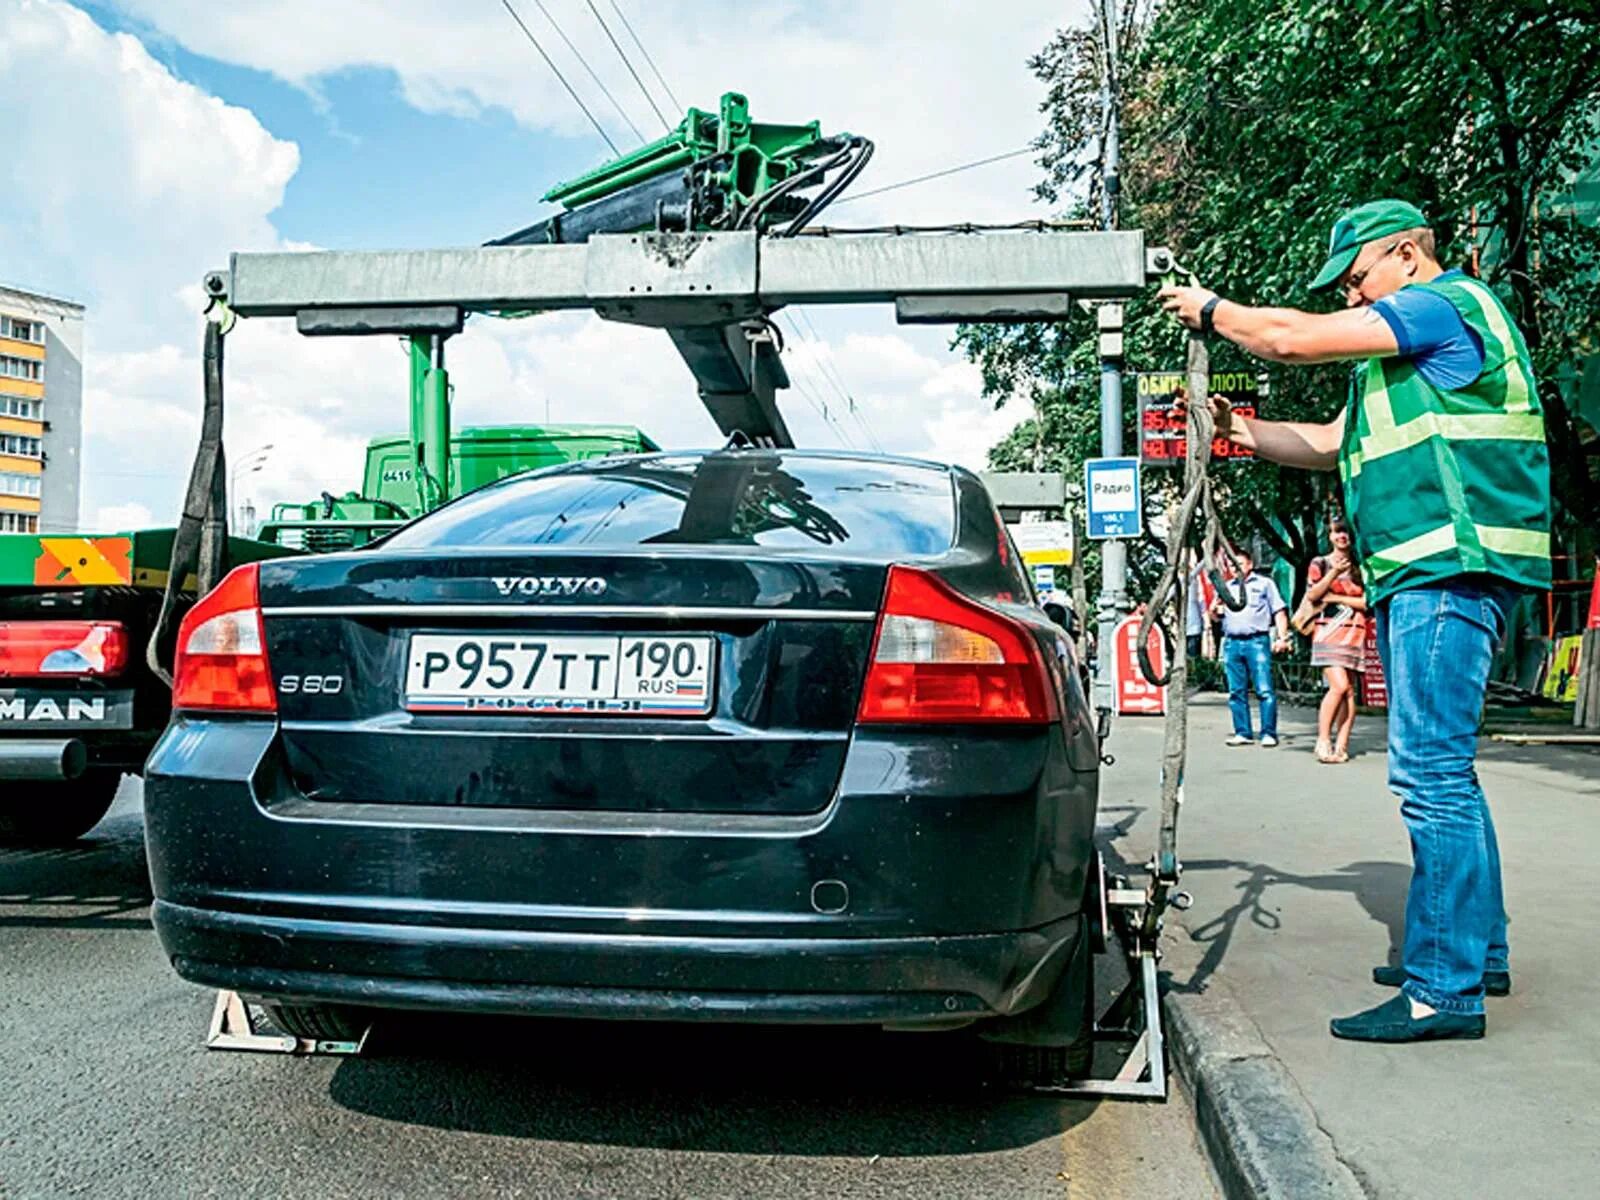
[{"x": 1113, "y": 601}]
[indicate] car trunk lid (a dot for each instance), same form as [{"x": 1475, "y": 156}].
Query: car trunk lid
[{"x": 780, "y": 641}]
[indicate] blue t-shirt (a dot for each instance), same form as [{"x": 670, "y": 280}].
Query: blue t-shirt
[{"x": 1431, "y": 333}]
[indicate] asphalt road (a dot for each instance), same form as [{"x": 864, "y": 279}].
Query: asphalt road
[{"x": 106, "y": 1090}]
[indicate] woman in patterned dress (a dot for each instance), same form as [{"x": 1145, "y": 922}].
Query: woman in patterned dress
[{"x": 1338, "y": 642}]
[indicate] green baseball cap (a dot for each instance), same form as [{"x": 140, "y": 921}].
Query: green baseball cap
[{"x": 1359, "y": 226}]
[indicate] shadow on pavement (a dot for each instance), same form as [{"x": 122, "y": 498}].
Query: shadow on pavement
[
  {"x": 99, "y": 882},
  {"x": 1379, "y": 887},
  {"x": 722, "y": 1089},
  {"x": 1580, "y": 763}
]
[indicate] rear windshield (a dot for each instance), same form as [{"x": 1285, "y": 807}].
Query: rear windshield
[{"x": 850, "y": 507}]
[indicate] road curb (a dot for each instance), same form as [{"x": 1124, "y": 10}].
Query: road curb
[{"x": 1260, "y": 1132}]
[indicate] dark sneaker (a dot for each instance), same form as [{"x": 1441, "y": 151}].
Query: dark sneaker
[
  {"x": 1392, "y": 1021},
  {"x": 1495, "y": 983}
]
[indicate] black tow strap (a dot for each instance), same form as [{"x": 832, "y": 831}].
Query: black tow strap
[{"x": 200, "y": 542}]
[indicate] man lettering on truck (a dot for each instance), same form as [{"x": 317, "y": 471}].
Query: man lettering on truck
[{"x": 1441, "y": 450}]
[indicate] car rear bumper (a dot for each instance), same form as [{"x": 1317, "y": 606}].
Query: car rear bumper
[
  {"x": 909, "y": 899},
  {"x": 927, "y": 980}
]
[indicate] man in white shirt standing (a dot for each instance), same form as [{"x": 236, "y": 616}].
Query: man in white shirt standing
[{"x": 1247, "y": 648}]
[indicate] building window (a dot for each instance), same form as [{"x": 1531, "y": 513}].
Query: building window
[
  {"x": 11, "y": 522},
  {"x": 22, "y": 331},
  {"x": 20, "y": 368},
  {"x": 14, "y": 484},
  {"x": 17, "y": 406},
  {"x": 19, "y": 444}
]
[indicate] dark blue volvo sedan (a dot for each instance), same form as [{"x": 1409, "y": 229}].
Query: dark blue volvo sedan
[{"x": 745, "y": 735}]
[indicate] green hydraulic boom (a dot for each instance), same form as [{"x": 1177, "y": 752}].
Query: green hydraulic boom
[{"x": 715, "y": 171}]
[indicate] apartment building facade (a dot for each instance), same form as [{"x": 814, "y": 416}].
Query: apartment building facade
[{"x": 41, "y": 412}]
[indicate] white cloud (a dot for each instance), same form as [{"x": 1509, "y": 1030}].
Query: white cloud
[
  {"x": 123, "y": 516},
  {"x": 130, "y": 180},
  {"x": 917, "y": 403},
  {"x": 128, "y": 183}
]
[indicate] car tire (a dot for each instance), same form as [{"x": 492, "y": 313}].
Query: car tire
[
  {"x": 1035, "y": 1061},
  {"x": 52, "y": 813},
  {"x": 317, "y": 1022},
  {"x": 1032, "y": 1066}
]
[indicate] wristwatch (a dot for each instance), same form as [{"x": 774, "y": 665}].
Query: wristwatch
[{"x": 1208, "y": 320}]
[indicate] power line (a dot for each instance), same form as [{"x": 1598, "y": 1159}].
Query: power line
[
  {"x": 653, "y": 68},
  {"x": 982, "y": 162},
  {"x": 617, "y": 46},
  {"x": 805, "y": 389},
  {"x": 598, "y": 82},
  {"x": 576, "y": 99},
  {"x": 829, "y": 366}
]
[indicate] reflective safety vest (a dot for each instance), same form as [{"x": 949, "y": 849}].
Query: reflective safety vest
[{"x": 1444, "y": 482}]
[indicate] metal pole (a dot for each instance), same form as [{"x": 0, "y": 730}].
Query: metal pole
[
  {"x": 1110, "y": 183},
  {"x": 251, "y": 462},
  {"x": 1113, "y": 600},
  {"x": 419, "y": 356},
  {"x": 436, "y": 426}
]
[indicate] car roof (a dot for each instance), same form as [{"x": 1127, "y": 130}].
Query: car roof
[{"x": 864, "y": 457}]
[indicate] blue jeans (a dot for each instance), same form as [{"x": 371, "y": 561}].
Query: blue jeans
[
  {"x": 1248, "y": 663},
  {"x": 1436, "y": 643}
]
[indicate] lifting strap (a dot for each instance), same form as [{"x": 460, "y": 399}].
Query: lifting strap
[
  {"x": 200, "y": 542},
  {"x": 1173, "y": 588}
]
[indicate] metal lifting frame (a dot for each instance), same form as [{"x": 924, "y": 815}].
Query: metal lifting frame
[
  {"x": 1127, "y": 914},
  {"x": 1128, "y": 917},
  {"x": 233, "y": 1027},
  {"x": 712, "y": 292}
]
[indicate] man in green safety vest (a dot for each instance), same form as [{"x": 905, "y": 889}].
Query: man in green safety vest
[{"x": 1441, "y": 451}]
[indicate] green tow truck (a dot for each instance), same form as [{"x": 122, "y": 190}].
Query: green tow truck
[{"x": 86, "y": 620}]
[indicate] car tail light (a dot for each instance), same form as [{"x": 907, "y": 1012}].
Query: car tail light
[
  {"x": 940, "y": 658},
  {"x": 222, "y": 650},
  {"x": 36, "y": 648}
]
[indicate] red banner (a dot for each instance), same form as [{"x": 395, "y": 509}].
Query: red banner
[
  {"x": 1594, "y": 600},
  {"x": 1136, "y": 695},
  {"x": 1374, "y": 690}
]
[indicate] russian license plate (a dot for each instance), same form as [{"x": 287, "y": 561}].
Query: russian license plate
[{"x": 536, "y": 673}]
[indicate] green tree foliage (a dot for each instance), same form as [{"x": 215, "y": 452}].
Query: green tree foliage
[{"x": 1249, "y": 126}]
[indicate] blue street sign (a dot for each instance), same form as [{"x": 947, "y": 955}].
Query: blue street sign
[{"x": 1115, "y": 506}]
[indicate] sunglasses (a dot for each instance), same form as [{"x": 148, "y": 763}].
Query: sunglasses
[{"x": 1356, "y": 279}]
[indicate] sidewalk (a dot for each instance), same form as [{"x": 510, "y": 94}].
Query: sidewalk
[{"x": 1299, "y": 873}]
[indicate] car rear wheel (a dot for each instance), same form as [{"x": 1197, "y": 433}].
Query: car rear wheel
[
  {"x": 1027, "y": 1066},
  {"x": 1029, "y": 1054},
  {"x": 51, "y": 813},
  {"x": 317, "y": 1022}
]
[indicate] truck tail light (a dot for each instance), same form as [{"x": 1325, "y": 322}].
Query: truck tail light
[
  {"x": 222, "y": 650},
  {"x": 940, "y": 658},
  {"x": 46, "y": 648}
]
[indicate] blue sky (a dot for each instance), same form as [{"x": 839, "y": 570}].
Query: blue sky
[
  {"x": 374, "y": 170},
  {"x": 402, "y": 123}
]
